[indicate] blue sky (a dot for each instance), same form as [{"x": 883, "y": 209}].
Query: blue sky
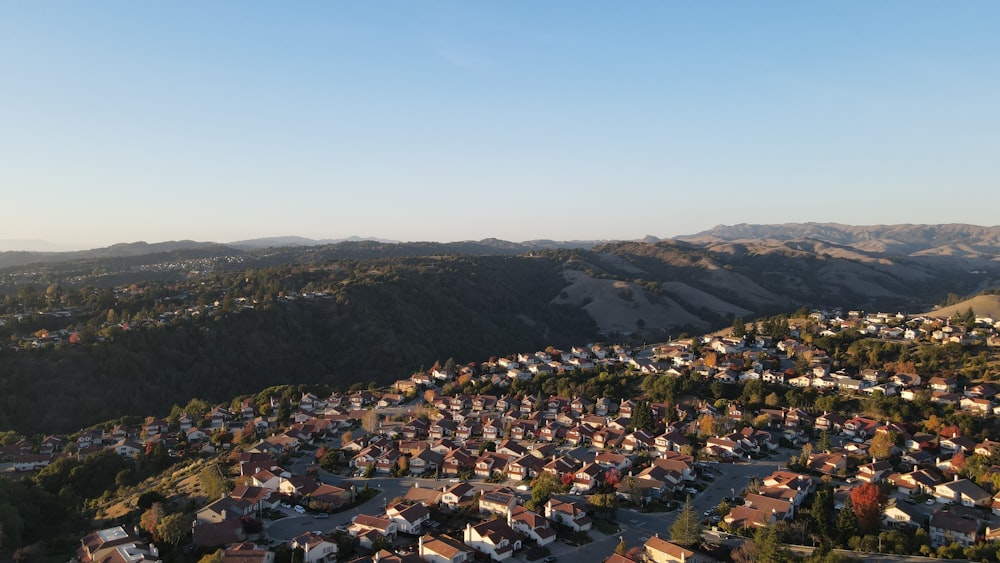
[{"x": 125, "y": 121}]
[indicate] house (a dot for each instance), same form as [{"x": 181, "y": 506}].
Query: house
[
  {"x": 115, "y": 545},
  {"x": 947, "y": 527},
  {"x": 902, "y": 516},
  {"x": 658, "y": 550},
  {"x": 749, "y": 517},
  {"x": 363, "y": 523},
  {"x": 443, "y": 549},
  {"x": 780, "y": 508},
  {"x": 315, "y": 548},
  {"x": 587, "y": 477},
  {"x": 408, "y": 518},
  {"x": 494, "y": 538},
  {"x": 875, "y": 471},
  {"x": 498, "y": 501},
  {"x": 247, "y": 552},
  {"x": 961, "y": 491},
  {"x": 532, "y": 525},
  {"x": 225, "y": 508},
  {"x": 568, "y": 514},
  {"x": 456, "y": 494}
]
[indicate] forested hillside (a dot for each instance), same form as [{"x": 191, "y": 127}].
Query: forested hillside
[{"x": 344, "y": 324}]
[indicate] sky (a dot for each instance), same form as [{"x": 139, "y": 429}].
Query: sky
[{"x": 123, "y": 121}]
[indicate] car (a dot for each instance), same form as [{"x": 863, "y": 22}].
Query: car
[
  {"x": 909, "y": 501},
  {"x": 710, "y": 512},
  {"x": 930, "y": 502},
  {"x": 298, "y": 508},
  {"x": 692, "y": 491},
  {"x": 550, "y": 559},
  {"x": 851, "y": 480},
  {"x": 522, "y": 487},
  {"x": 322, "y": 516},
  {"x": 644, "y": 539},
  {"x": 285, "y": 505},
  {"x": 453, "y": 480}
]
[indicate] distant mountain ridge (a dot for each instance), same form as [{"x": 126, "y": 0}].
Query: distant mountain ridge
[{"x": 954, "y": 239}]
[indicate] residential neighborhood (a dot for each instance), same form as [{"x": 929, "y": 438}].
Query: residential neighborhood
[{"x": 522, "y": 471}]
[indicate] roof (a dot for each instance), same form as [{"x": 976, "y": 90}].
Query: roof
[{"x": 656, "y": 543}]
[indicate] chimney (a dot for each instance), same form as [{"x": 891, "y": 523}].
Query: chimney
[
  {"x": 420, "y": 546},
  {"x": 956, "y": 477}
]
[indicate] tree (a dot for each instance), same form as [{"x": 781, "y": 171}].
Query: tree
[
  {"x": 151, "y": 519},
  {"x": 542, "y": 489},
  {"x": 847, "y": 523},
  {"x": 769, "y": 546},
  {"x": 686, "y": 530},
  {"x": 882, "y": 444},
  {"x": 868, "y": 500},
  {"x": 370, "y": 421},
  {"x": 621, "y": 548},
  {"x": 612, "y": 477},
  {"x": 605, "y": 502},
  {"x": 642, "y": 417},
  {"x": 174, "y": 527},
  {"x": 214, "y": 557}
]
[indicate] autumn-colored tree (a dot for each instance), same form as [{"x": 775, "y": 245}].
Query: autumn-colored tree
[
  {"x": 151, "y": 518},
  {"x": 430, "y": 395},
  {"x": 932, "y": 424},
  {"x": 370, "y": 421},
  {"x": 346, "y": 438},
  {"x": 711, "y": 359},
  {"x": 882, "y": 444},
  {"x": 868, "y": 500},
  {"x": 706, "y": 425},
  {"x": 612, "y": 477},
  {"x": 958, "y": 461},
  {"x": 567, "y": 479},
  {"x": 622, "y": 547}
]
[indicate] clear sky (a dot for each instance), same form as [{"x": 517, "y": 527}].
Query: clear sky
[{"x": 228, "y": 120}]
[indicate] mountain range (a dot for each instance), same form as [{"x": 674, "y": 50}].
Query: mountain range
[{"x": 697, "y": 281}]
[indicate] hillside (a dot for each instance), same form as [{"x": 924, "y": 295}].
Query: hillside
[
  {"x": 213, "y": 321},
  {"x": 981, "y": 305}
]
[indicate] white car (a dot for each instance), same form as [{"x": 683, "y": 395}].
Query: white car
[{"x": 298, "y": 508}]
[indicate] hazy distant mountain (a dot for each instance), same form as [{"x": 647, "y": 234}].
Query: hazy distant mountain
[
  {"x": 34, "y": 245},
  {"x": 278, "y": 242},
  {"x": 955, "y": 240},
  {"x": 121, "y": 250}
]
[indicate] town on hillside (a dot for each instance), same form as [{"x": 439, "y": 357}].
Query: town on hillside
[{"x": 822, "y": 437}]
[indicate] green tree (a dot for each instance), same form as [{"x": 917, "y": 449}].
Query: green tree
[
  {"x": 686, "y": 530},
  {"x": 769, "y": 545},
  {"x": 542, "y": 489},
  {"x": 847, "y": 523},
  {"x": 642, "y": 416},
  {"x": 175, "y": 527}
]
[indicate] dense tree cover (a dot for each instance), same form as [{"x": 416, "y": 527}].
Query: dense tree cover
[{"x": 379, "y": 321}]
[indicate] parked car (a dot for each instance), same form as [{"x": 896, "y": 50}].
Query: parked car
[
  {"x": 322, "y": 516},
  {"x": 285, "y": 505},
  {"x": 298, "y": 508},
  {"x": 930, "y": 502}
]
